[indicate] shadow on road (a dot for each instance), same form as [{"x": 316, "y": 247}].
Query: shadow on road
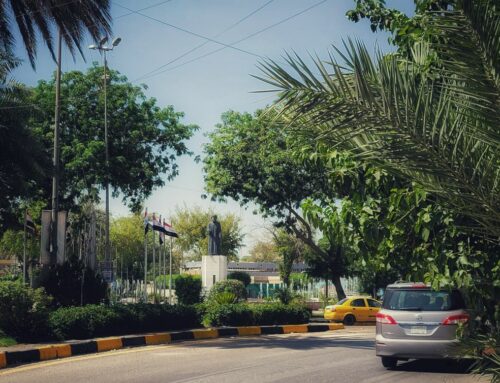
[
  {"x": 438, "y": 366},
  {"x": 291, "y": 343}
]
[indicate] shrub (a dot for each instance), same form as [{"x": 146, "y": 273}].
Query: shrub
[
  {"x": 188, "y": 289},
  {"x": 284, "y": 295},
  {"x": 83, "y": 322},
  {"x": 72, "y": 284},
  {"x": 94, "y": 320},
  {"x": 230, "y": 286},
  {"x": 23, "y": 311},
  {"x": 243, "y": 314},
  {"x": 279, "y": 313},
  {"x": 240, "y": 276},
  {"x": 226, "y": 297},
  {"x": 238, "y": 314}
]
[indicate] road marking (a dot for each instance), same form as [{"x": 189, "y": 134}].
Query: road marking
[{"x": 82, "y": 357}]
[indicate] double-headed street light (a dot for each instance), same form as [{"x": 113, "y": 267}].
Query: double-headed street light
[{"x": 103, "y": 48}]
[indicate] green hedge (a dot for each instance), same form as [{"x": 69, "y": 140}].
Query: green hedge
[
  {"x": 243, "y": 314},
  {"x": 94, "y": 320},
  {"x": 23, "y": 311}
]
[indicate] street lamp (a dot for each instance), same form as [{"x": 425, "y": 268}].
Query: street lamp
[{"x": 103, "y": 48}]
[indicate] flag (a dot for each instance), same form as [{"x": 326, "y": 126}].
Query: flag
[
  {"x": 146, "y": 222},
  {"x": 169, "y": 230},
  {"x": 30, "y": 225},
  {"x": 157, "y": 225}
]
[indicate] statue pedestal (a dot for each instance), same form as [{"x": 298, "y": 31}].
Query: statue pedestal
[{"x": 213, "y": 269}]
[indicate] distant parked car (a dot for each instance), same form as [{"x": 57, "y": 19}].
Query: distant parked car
[
  {"x": 418, "y": 322},
  {"x": 352, "y": 309}
]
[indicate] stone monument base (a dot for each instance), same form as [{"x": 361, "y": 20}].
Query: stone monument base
[{"x": 213, "y": 269}]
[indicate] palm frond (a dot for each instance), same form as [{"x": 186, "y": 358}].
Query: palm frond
[{"x": 436, "y": 125}]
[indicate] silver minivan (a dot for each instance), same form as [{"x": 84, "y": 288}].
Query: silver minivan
[{"x": 416, "y": 322}]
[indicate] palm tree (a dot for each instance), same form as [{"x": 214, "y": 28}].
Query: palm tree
[
  {"x": 22, "y": 159},
  {"x": 432, "y": 118},
  {"x": 73, "y": 18}
]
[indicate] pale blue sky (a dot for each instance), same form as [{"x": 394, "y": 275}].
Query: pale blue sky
[{"x": 207, "y": 87}]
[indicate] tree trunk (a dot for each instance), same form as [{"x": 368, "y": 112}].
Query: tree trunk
[
  {"x": 338, "y": 287},
  {"x": 327, "y": 294}
]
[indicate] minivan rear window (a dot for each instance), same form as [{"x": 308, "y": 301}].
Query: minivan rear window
[{"x": 422, "y": 300}]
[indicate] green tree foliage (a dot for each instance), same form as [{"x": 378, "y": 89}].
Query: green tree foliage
[
  {"x": 291, "y": 250},
  {"x": 188, "y": 289},
  {"x": 263, "y": 250},
  {"x": 248, "y": 159},
  {"x": 405, "y": 30},
  {"x": 127, "y": 237},
  {"x": 144, "y": 139},
  {"x": 240, "y": 276},
  {"x": 191, "y": 225},
  {"x": 39, "y": 19}
]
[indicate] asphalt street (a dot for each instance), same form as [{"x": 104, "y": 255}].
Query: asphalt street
[{"x": 339, "y": 356}]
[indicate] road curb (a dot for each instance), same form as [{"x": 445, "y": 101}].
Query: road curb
[{"x": 91, "y": 346}]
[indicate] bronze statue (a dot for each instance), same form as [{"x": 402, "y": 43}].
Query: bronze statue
[{"x": 214, "y": 237}]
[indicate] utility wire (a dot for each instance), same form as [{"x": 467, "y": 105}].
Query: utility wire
[
  {"x": 143, "y": 77},
  {"x": 189, "y": 32},
  {"x": 206, "y": 42}
]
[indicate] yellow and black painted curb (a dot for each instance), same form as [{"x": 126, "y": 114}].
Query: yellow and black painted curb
[{"x": 12, "y": 358}]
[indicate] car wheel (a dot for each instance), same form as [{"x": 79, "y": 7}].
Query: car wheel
[
  {"x": 349, "y": 320},
  {"x": 389, "y": 362}
]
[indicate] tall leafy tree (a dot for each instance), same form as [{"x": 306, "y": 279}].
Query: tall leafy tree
[
  {"x": 250, "y": 159},
  {"x": 144, "y": 138},
  {"x": 35, "y": 18},
  {"x": 264, "y": 250}
]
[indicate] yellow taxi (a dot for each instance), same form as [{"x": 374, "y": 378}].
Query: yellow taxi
[{"x": 352, "y": 309}]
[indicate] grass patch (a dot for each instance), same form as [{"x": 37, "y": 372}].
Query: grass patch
[{"x": 6, "y": 341}]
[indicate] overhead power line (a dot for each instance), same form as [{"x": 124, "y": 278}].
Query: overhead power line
[
  {"x": 188, "y": 31},
  {"x": 146, "y": 76},
  {"x": 206, "y": 42}
]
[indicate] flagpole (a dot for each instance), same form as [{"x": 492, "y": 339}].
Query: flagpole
[
  {"x": 170, "y": 275},
  {"x": 146, "y": 264},
  {"x": 24, "y": 248},
  {"x": 154, "y": 266},
  {"x": 164, "y": 270}
]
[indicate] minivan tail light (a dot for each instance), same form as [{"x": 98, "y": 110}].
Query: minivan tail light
[
  {"x": 419, "y": 286},
  {"x": 385, "y": 319},
  {"x": 456, "y": 319}
]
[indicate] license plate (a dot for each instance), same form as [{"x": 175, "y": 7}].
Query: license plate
[{"x": 418, "y": 330}]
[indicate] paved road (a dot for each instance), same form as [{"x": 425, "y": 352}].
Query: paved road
[{"x": 340, "y": 356}]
